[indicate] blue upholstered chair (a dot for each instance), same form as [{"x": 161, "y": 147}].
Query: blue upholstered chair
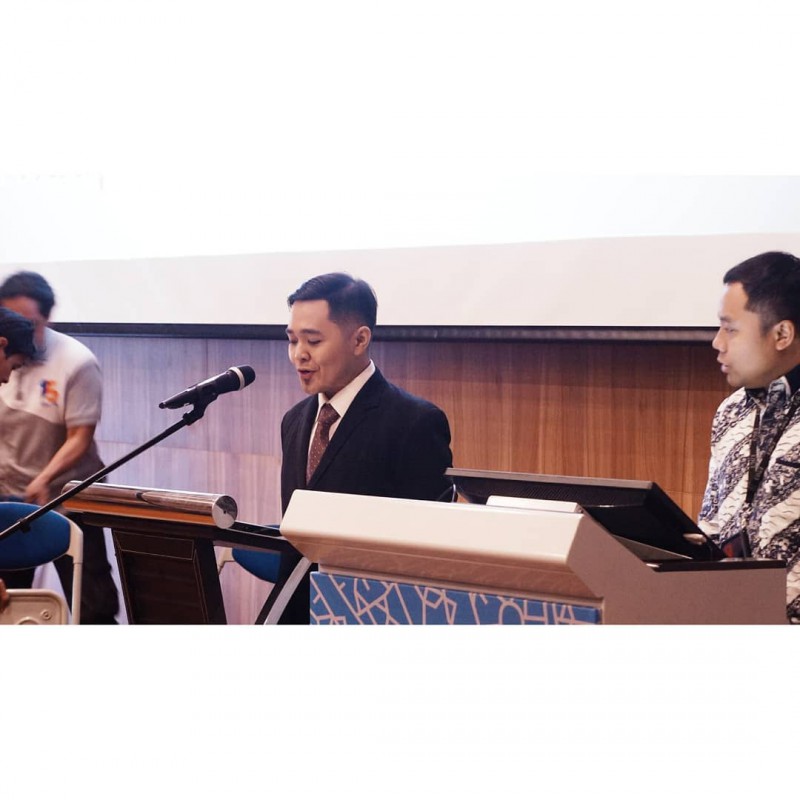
[
  {"x": 264, "y": 565},
  {"x": 285, "y": 573},
  {"x": 50, "y": 536}
]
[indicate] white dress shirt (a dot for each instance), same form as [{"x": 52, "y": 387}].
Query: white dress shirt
[{"x": 343, "y": 399}]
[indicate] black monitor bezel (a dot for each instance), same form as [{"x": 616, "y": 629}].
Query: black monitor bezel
[{"x": 630, "y": 506}]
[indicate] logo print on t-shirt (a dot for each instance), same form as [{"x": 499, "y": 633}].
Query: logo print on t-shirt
[{"x": 49, "y": 392}]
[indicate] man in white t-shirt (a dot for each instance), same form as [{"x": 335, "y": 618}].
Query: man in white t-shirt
[{"x": 48, "y": 413}]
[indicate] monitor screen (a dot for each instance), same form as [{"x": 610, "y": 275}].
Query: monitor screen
[{"x": 636, "y": 511}]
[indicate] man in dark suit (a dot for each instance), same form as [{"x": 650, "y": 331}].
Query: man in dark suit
[
  {"x": 381, "y": 440},
  {"x": 356, "y": 433}
]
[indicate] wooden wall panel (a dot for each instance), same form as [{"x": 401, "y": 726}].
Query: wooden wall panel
[{"x": 638, "y": 411}]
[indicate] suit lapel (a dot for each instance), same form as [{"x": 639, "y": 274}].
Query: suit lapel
[
  {"x": 365, "y": 403},
  {"x": 301, "y": 437}
]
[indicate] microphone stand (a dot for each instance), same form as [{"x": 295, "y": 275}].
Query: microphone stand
[{"x": 188, "y": 418}]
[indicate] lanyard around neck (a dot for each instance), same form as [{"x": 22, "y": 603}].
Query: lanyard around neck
[{"x": 755, "y": 473}]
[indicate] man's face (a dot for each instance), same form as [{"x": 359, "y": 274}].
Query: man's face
[
  {"x": 8, "y": 363},
  {"x": 27, "y": 307},
  {"x": 327, "y": 356},
  {"x": 749, "y": 355}
]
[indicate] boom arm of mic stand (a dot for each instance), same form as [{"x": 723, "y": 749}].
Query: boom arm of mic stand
[{"x": 188, "y": 418}]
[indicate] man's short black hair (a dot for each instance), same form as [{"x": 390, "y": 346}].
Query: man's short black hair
[
  {"x": 349, "y": 298},
  {"x": 19, "y": 332},
  {"x": 772, "y": 284},
  {"x": 32, "y": 285}
]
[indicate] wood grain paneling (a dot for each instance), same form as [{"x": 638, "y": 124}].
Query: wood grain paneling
[{"x": 638, "y": 411}]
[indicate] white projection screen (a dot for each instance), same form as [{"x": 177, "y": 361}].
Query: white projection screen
[{"x": 624, "y": 279}]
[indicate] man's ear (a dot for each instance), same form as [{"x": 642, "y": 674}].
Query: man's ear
[
  {"x": 3, "y": 343},
  {"x": 362, "y": 338},
  {"x": 785, "y": 334}
]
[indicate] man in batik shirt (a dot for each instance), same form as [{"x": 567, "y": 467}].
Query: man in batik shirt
[{"x": 752, "y": 502}]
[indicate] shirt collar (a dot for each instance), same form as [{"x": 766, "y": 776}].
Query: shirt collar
[
  {"x": 343, "y": 399},
  {"x": 793, "y": 379},
  {"x": 783, "y": 387}
]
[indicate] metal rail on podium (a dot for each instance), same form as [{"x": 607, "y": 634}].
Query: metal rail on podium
[
  {"x": 390, "y": 561},
  {"x": 164, "y": 542}
]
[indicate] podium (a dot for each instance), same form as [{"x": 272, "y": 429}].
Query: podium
[
  {"x": 164, "y": 543},
  {"x": 390, "y": 561}
]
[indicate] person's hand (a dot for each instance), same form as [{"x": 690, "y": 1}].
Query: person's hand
[
  {"x": 4, "y": 598},
  {"x": 37, "y": 491}
]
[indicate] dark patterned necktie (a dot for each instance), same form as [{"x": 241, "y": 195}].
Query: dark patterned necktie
[{"x": 327, "y": 416}]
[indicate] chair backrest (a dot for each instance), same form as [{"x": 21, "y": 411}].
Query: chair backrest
[
  {"x": 48, "y": 537},
  {"x": 268, "y": 566},
  {"x": 265, "y": 565}
]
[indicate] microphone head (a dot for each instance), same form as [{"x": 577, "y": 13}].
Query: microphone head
[{"x": 245, "y": 374}]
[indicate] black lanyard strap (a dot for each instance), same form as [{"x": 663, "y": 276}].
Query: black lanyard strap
[{"x": 756, "y": 472}]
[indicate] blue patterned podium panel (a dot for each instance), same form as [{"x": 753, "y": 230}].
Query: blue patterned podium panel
[{"x": 345, "y": 600}]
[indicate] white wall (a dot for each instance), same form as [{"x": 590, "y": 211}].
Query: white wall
[{"x": 338, "y": 133}]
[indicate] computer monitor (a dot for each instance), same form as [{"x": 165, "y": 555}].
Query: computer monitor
[{"x": 633, "y": 511}]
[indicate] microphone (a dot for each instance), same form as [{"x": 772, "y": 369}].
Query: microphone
[{"x": 208, "y": 390}]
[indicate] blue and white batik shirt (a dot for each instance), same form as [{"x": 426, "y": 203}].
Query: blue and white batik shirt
[{"x": 772, "y": 520}]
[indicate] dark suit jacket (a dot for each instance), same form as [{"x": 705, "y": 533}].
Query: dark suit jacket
[{"x": 389, "y": 444}]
